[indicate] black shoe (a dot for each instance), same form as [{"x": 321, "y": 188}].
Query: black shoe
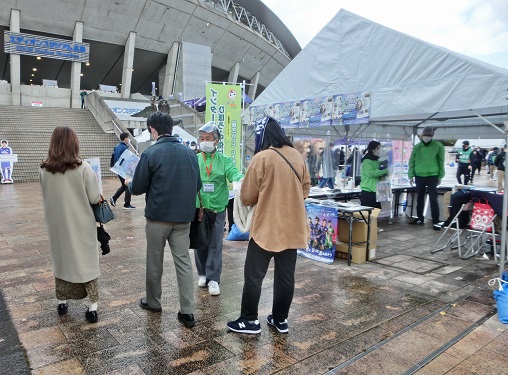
[
  {"x": 62, "y": 309},
  {"x": 144, "y": 304},
  {"x": 112, "y": 201},
  {"x": 91, "y": 316},
  {"x": 129, "y": 207},
  {"x": 416, "y": 222},
  {"x": 186, "y": 319},
  {"x": 436, "y": 227}
]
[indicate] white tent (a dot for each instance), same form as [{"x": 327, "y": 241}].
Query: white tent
[{"x": 412, "y": 83}]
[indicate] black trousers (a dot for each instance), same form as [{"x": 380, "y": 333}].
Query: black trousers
[
  {"x": 121, "y": 190},
  {"x": 428, "y": 184},
  {"x": 368, "y": 198},
  {"x": 229, "y": 209},
  {"x": 256, "y": 265},
  {"x": 463, "y": 169}
]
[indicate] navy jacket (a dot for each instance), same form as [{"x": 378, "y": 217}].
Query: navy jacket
[
  {"x": 119, "y": 149},
  {"x": 168, "y": 173}
]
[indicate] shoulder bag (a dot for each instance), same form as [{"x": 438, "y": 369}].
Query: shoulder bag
[
  {"x": 201, "y": 227},
  {"x": 102, "y": 212},
  {"x": 287, "y": 161}
]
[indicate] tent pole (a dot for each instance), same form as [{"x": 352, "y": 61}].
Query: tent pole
[{"x": 505, "y": 207}]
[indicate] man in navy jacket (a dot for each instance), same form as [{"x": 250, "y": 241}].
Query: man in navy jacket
[{"x": 168, "y": 175}]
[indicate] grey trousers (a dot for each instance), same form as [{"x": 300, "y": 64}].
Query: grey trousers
[
  {"x": 177, "y": 236},
  {"x": 209, "y": 261}
]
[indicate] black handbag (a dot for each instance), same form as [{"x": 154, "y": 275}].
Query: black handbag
[
  {"x": 102, "y": 212},
  {"x": 201, "y": 227}
]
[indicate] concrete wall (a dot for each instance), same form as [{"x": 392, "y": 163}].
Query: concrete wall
[
  {"x": 5, "y": 94},
  {"x": 49, "y": 96}
]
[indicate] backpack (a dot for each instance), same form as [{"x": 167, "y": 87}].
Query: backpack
[
  {"x": 492, "y": 157},
  {"x": 112, "y": 161}
]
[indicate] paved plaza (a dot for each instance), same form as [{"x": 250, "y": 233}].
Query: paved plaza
[{"x": 408, "y": 311}]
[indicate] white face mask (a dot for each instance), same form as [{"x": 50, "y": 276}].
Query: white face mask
[
  {"x": 375, "y": 152},
  {"x": 193, "y": 147},
  {"x": 426, "y": 139},
  {"x": 207, "y": 146}
]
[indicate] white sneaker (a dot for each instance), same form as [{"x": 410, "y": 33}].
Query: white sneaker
[
  {"x": 202, "y": 281},
  {"x": 213, "y": 288}
]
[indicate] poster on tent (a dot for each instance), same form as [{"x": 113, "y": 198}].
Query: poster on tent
[
  {"x": 351, "y": 108},
  {"x": 323, "y": 233},
  {"x": 315, "y": 112},
  {"x": 401, "y": 152},
  {"x": 224, "y": 107},
  {"x": 95, "y": 163},
  {"x": 287, "y": 113}
]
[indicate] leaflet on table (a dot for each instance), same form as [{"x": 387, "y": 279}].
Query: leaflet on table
[
  {"x": 126, "y": 165},
  {"x": 323, "y": 233}
]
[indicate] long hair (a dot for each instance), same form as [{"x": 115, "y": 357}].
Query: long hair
[
  {"x": 63, "y": 151},
  {"x": 272, "y": 135}
]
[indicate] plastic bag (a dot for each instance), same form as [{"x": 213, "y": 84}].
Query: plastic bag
[
  {"x": 501, "y": 297},
  {"x": 383, "y": 191},
  {"x": 236, "y": 235}
]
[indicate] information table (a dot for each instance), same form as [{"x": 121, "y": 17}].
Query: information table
[{"x": 345, "y": 211}]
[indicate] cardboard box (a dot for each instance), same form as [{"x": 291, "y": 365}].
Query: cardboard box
[
  {"x": 360, "y": 229},
  {"x": 357, "y": 252}
]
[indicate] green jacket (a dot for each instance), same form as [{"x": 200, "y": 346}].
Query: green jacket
[
  {"x": 223, "y": 170},
  {"x": 427, "y": 160},
  {"x": 370, "y": 173}
]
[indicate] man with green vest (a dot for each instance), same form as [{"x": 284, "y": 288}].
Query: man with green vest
[
  {"x": 463, "y": 160},
  {"x": 216, "y": 171},
  {"x": 426, "y": 169}
]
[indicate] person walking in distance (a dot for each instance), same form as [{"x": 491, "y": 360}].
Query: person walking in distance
[
  {"x": 118, "y": 151},
  {"x": 168, "y": 175},
  {"x": 499, "y": 163},
  {"x": 463, "y": 160},
  {"x": 426, "y": 169}
]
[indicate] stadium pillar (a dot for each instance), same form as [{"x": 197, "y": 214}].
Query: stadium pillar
[
  {"x": 233, "y": 74},
  {"x": 170, "y": 72},
  {"x": 15, "y": 62},
  {"x": 77, "y": 36},
  {"x": 254, "y": 86},
  {"x": 128, "y": 64}
]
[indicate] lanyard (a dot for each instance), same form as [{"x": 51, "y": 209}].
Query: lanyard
[{"x": 208, "y": 171}]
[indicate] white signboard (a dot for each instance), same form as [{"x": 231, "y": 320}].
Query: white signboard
[{"x": 124, "y": 109}]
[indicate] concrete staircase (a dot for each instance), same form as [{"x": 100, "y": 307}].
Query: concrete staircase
[{"x": 28, "y": 131}]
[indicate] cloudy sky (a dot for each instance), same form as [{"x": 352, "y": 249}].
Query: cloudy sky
[{"x": 476, "y": 28}]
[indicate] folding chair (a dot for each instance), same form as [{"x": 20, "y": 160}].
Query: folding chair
[{"x": 462, "y": 234}]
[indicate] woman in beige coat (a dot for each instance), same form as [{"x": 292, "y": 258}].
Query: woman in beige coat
[
  {"x": 69, "y": 186},
  {"x": 277, "y": 181}
]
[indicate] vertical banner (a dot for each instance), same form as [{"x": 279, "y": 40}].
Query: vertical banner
[
  {"x": 401, "y": 152},
  {"x": 323, "y": 233},
  {"x": 224, "y": 107}
]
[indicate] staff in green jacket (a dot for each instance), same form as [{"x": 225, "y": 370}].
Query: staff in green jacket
[
  {"x": 371, "y": 172},
  {"x": 426, "y": 169},
  {"x": 215, "y": 170}
]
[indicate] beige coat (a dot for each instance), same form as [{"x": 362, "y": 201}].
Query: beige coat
[
  {"x": 280, "y": 219},
  {"x": 71, "y": 222}
]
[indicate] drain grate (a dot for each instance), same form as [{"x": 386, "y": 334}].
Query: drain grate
[{"x": 410, "y": 263}]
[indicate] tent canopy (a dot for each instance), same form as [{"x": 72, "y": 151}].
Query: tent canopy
[{"x": 412, "y": 83}]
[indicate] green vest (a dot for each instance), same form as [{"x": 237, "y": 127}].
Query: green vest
[{"x": 464, "y": 155}]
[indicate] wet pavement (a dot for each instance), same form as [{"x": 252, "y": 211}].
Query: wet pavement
[{"x": 408, "y": 311}]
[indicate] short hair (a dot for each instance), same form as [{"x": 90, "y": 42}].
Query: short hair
[
  {"x": 123, "y": 136},
  {"x": 161, "y": 122},
  {"x": 428, "y": 130},
  {"x": 63, "y": 151},
  {"x": 465, "y": 143}
]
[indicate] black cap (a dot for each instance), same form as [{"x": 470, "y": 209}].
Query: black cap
[{"x": 466, "y": 143}]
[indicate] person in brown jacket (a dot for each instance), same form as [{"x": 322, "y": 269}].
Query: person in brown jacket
[{"x": 277, "y": 182}]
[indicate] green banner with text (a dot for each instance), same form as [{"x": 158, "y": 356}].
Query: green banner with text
[{"x": 224, "y": 107}]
